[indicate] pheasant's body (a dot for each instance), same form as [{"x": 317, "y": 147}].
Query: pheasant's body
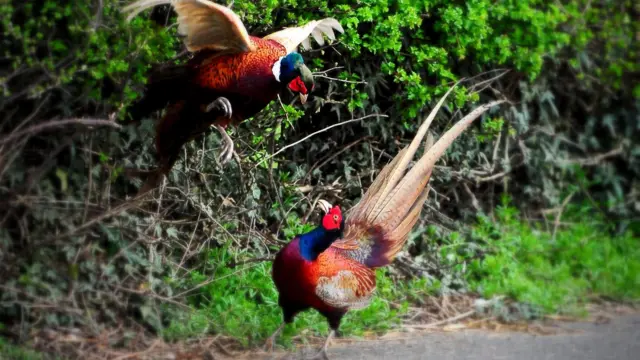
[
  {"x": 246, "y": 79},
  {"x": 231, "y": 76},
  {"x": 318, "y": 283},
  {"x": 332, "y": 268}
]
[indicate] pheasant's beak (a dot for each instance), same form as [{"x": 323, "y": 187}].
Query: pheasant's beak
[
  {"x": 303, "y": 97},
  {"x": 324, "y": 205}
]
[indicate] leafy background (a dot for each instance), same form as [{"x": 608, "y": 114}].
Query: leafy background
[{"x": 73, "y": 257}]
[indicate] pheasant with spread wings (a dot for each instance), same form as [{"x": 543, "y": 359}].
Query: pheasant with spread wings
[
  {"x": 230, "y": 77},
  {"x": 332, "y": 268}
]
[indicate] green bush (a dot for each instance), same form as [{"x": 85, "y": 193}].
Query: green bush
[{"x": 558, "y": 270}]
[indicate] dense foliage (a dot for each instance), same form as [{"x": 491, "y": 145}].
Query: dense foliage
[{"x": 72, "y": 256}]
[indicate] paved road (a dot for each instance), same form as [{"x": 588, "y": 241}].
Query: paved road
[{"x": 618, "y": 339}]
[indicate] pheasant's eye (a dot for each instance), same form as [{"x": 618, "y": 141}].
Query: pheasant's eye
[{"x": 335, "y": 217}]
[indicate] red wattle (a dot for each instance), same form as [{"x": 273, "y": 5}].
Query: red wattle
[{"x": 297, "y": 85}]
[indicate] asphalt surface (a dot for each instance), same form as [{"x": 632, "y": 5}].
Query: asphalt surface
[{"x": 617, "y": 339}]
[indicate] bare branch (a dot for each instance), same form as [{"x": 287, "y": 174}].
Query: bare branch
[
  {"x": 316, "y": 133},
  {"x": 594, "y": 160},
  {"x": 55, "y": 124}
]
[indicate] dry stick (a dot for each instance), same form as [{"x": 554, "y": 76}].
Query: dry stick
[
  {"x": 153, "y": 295},
  {"x": 474, "y": 201},
  {"x": 207, "y": 282},
  {"x": 442, "y": 322},
  {"x": 54, "y": 124},
  {"x": 271, "y": 178},
  {"x": 107, "y": 214},
  {"x": 595, "y": 159},
  {"x": 193, "y": 233},
  {"x": 254, "y": 260},
  {"x": 333, "y": 156},
  {"x": 494, "y": 156},
  {"x": 507, "y": 160},
  {"x": 504, "y": 70},
  {"x": 487, "y": 82},
  {"x": 316, "y": 133},
  {"x": 556, "y": 223},
  {"x": 492, "y": 177},
  {"x": 313, "y": 206},
  {"x": 33, "y": 114},
  {"x": 340, "y": 80},
  {"x": 137, "y": 354},
  {"x": 324, "y": 72},
  {"x": 286, "y": 115}
]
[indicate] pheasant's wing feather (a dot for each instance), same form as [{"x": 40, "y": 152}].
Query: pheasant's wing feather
[
  {"x": 291, "y": 38},
  {"x": 344, "y": 284},
  {"x": 378, "y": 226},
  {"x": 205, "y": 24}
]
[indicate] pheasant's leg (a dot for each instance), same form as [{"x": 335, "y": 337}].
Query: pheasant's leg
[
  {"x": 322, "y": 354},
  {"x": 227, "y": 146},
  {"x": 271, "y": 341},
  {"x": 221, "y": 104}
]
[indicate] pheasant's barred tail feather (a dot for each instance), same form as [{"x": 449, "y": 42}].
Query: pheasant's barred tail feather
[{"x": 378, "y": 226}]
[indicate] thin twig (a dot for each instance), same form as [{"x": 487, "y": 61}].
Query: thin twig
[
  {"x": 487, "y": 82},
  {"x": 320, "y": 163},
  {"x": 54, "y": 124},
  {"x": 492, "y": 177},
  {"x": 474, "y": 201},
  {"x": 236, "y": 264},
  {"x": 286, "y": 115},
  {"x": 559, "y": 215},
  {"x": 316, "y": 133},
  {"x": 595, "y": 159},
  {"x": 107, "y": 214},
  {"x": 442, "y": 322},
  {"x": 324, "y": 72},
  {"x": 340, "y": 80}
]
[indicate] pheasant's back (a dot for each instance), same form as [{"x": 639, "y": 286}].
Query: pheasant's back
[{"x": 249, "y": 73}]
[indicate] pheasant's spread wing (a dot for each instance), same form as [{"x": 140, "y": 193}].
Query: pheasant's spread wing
[
  {"x": 290, "y": 38},
  {"x": 205, "y": 24},
  {"x": 343, "y": 283},
  {"x": 378, "y": 226}
]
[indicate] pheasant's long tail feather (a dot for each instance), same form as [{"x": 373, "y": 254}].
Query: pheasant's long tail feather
[{"x": 378, "y": 226}]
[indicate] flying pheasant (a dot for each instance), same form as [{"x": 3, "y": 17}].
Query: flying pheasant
[{"x": 230, "y": 77}]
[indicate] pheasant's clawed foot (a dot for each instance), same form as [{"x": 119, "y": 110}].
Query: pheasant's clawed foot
[
  {"x": 322, "y": 354},
  {"x": 221, "y": 104},
  {"x": 227, "y": 145}
]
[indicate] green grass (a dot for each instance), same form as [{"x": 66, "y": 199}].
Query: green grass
[{"x": 555, "y": 274}]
